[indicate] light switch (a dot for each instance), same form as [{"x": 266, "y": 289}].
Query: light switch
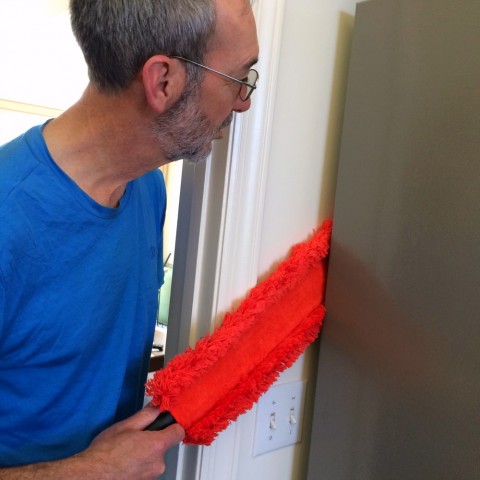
[
  {"x": 279, "y": 417},
  {"x": 273, "y": 425},
  {"x": 292, "y": 420}
]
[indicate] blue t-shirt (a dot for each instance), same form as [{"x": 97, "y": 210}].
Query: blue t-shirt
[{"x": 78, "y": 302}]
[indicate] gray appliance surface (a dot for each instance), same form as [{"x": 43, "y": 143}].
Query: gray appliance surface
[{"x": 398, "y": 388}]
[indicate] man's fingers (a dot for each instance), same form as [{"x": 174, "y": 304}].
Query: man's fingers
[
  {"x": 172, "y": 435},
  {"x": 141, "y": 419}
]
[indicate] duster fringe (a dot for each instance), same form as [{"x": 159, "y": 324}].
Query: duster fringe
[{"x": 190, "y": 379}]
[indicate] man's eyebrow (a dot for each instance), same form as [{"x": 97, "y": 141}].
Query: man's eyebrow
[
  {"x": 249, "y": 62},
  {"x": 248, "y": 65},
  {"x": 245, "y": 68},
  {"x": 252, "y": 62}
]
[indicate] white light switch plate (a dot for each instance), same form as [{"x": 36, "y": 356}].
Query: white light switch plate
[{"x": 279, "y": 417}]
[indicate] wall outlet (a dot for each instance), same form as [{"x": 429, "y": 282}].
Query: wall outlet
[{"x": 279, "y": 417}]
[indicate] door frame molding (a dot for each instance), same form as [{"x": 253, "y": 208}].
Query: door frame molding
[{"x": 221, "y": 242}]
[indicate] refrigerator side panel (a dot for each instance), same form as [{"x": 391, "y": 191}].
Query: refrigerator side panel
[{"x": 398, "y": 388}]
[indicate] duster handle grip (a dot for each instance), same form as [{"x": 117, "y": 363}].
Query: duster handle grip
[{"x": 164, "y": 420}]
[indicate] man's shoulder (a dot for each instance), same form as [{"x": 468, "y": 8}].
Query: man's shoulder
[
  {"x": 17, "y": 162},
  {"x": 153, "y": 185},
  {"x": 153, "y": 178}
]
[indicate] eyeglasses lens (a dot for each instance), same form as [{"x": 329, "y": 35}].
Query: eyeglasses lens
[{"x": 246, "y": 90}]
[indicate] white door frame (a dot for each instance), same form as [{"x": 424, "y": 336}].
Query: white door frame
[{"x": 221, "y": 211}]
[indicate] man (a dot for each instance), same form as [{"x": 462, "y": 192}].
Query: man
[{"x": 81, "y": 207}]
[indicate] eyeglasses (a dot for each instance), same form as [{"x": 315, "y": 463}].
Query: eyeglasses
[{"x": 247, "y": 86}]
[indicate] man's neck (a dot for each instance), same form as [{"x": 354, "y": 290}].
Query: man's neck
[{"x": 101, "y": 144}]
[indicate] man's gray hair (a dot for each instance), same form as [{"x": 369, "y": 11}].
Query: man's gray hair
[{"x": 117, "y": 37}]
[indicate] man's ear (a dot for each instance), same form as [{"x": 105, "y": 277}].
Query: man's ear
[{"x": 163, "y": 81}]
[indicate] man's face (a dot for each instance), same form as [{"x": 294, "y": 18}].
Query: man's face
[
  {"x": 185, "y": 131},
  {"x": 188, "y": 129}
]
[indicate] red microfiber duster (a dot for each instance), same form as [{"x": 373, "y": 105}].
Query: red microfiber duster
[{"x": 206, "y": 388}]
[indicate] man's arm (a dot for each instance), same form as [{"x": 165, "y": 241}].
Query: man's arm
[{"x": 123, "y": 451}]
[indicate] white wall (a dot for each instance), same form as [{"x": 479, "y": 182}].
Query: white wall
[
  {"x": 301, "y": 177},
  {"x": 41, "y": 61},
  {"x": 43, "y": 70},
  {"x": 308, "y": 115}
]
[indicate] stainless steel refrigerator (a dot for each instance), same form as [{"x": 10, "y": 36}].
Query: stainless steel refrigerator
[{"x": 398, "y": 388}]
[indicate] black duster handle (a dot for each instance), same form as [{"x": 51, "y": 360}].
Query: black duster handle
[{"x": 164, "y": 420}]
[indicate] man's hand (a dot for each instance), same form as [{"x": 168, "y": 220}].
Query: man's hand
[
  {"x": 129, "y": 451},
  {"x": 122, "y": 452}
]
